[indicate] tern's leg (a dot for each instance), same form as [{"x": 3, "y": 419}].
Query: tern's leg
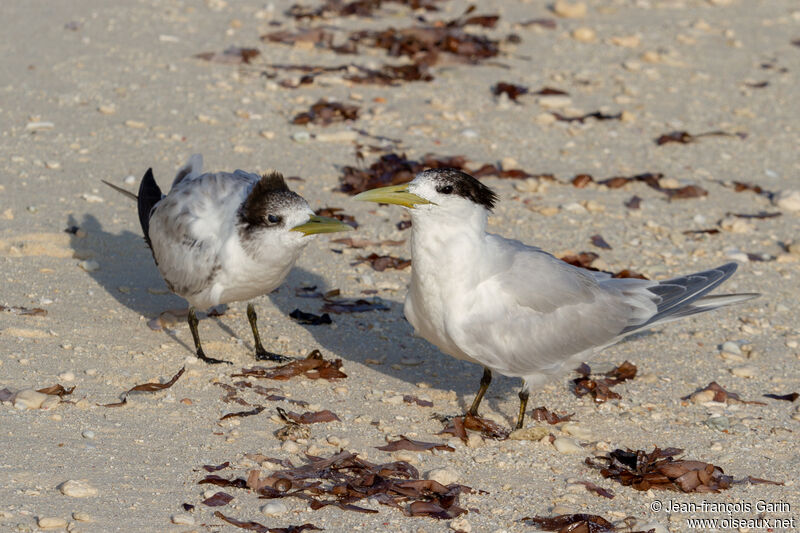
[
  {"x": 486, "y": 379},
  {"x": 261, "y": 353},
  {"x": 523, "y": 403},
  {"x": 196, "y": 336}
]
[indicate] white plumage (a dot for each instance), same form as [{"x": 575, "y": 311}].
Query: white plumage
[
  {"x": 513, "y": 308},
  {"x": 224, "y": 237}
]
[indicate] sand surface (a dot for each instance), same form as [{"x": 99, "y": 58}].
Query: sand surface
[{"x": 95, "y": 90}]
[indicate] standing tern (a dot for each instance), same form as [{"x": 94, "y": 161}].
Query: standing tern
[
  {"x": 513, "y": 308},
  {"x": 225, "y": 237}
]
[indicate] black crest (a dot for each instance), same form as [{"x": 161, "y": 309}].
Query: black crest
[
  {"x": 263, "y": 196},
  {"x": 462, "y": 185}
]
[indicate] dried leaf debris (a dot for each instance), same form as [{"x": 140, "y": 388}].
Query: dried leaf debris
[
  {"x": 147, "y": 387},
  {"x": 719, "y": 395},
  {"x": 684, "y": 137},
  {"x": 660, "y": 470},
  {"x": 23, "y": 311},
  {"x": 576, "y": 523},
  {"x": 344, "y": 479},
  {"x": 261, "y": 528},
  {"x": 458, "y": 426},
  {"x": 314, "y": 366},
  {"x": 324, "y": 113},
  {"x": 404, "y": 443},
  {"x": 600, "y": 388}
]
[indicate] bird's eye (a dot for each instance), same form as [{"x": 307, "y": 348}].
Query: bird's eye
[
  {"x": 447, "y": 189},
  {"x": 273, "y": 219}
]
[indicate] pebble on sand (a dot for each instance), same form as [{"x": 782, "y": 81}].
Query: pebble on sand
[
  {"x": 461, "y": 524},
  {"x": 274, "y": 508},
  {"x": 569, "y": 10},
  {"x": 445, "y": 476},
  {"x": 566, "y": 445},
  {"x": 89, "y": 265},
  {"x": 182, "y": 519},
  {"x": 788, "y": 199},
  {"x": 80, "y": 516},
  {"x": 536, "y": 433},
  {"x": 51, "y": 522},
  {"x": 746, "y": 371},
  {"x": 29, "y": 399},
  {"x": 77, "y": 489}
]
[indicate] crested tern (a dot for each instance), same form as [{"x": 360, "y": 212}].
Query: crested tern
[
  {"x": 224, "y": 237},
  {"x": 513, "y": 308}
]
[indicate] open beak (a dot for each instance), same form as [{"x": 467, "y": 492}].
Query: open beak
[
  {"x": 317, "y": 224},
  {"x": 395, "y": 194}
]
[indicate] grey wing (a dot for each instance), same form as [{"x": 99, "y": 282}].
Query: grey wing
[
  {"x": 190, "y": 226},
  {"x": 537, "y": 311}
]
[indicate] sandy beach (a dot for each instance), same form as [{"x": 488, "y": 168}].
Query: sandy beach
[{"x": 691, "y": 105}]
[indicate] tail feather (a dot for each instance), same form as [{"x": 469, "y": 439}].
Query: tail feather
[
  {"x": 193, "y": 167},
  {"x": 126, "y": 192},
  {"x": 149, "y": 196},
  {"x": 687, "y": 295}
]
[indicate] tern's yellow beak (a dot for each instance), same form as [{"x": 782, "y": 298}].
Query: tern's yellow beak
[
  {"x": 395, "y": 194},
  {"x": 318, "y": 224}
]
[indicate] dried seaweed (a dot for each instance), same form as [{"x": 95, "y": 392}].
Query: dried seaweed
[
  {"x": 234, "y": 54},
  {"x": 408, "y": 398},
  {"x": 660, "y": 470},
  {"x": 361, "y": 8},
  {"x": 542, "y": 414},
  {"x": 784, "y": 397},
  {"x": 684, "y": 137},
  {"x": 600, "y": 389},
  {"x": 404, "y": 443},
  {"x": 57, "y": 390},
  {"x": 337, "y": 213},
  {"x": 261, "y": 528},
  {"x": 146, "y": 387},
  {"x": 313, "y": 367},
  {"x": 218, "y": 500},
  {"x": 597, "y": 115},
  {"x": 509, "y": 89},
  {"x": 348, "y": 305},
  {"x": 575, "y": 523},
  {"x": 549, "y": 24},
  {"x": 649, "y": 178},
  {"x": 391, "y": 74},
  {"x": 721, "y": 395},
  {"x": 600, "y": 491},
  {"x": 344, "y": 479},
  {"x": 217, "y": 468},
  {"x": 324, "y": 113},
  {"x": 308, "y": 417},
  {"x": 392, "y": 169},
  {"x": 634, "y": 202},
  {"x": 581, "y": 260},
  {"x": 153, "y": 387},
  {"x": 600, "y": 242},
  {"x": 355, "y": 242},
  {"x": 761, "y": 215},
  {"x": 382, "y": 262},
  {"x": 310, "y": 319},
  {"x": 23, "y": 311},
  {"x": 458, "y": 426},
  {"x": 240, "y": 414}
]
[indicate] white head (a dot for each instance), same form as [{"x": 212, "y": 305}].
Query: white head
[{"x": 438, "y": 193}]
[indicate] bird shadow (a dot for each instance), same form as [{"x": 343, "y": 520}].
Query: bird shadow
[
  {"x": 128, "y": 274},
  {"x": 392, "y": 349}
]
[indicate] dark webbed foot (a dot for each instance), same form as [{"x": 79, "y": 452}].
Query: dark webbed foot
[
  {"x": 261, "y": 353},
  {"x": 192, "y": 319},
  {"x": 264, "y": 355}
]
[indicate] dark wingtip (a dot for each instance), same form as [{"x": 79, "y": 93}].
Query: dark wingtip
[{"x": 149, "y": 196}]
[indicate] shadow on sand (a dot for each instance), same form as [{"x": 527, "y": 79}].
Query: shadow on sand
[{"x": 128, "y": 273}]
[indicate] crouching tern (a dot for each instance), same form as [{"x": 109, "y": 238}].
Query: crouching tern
[
  {"x": 513, "y": 308},
  {"x": 225, "y": 237}
]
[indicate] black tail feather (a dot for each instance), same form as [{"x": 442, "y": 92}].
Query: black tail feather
[{"x": 149, "y": 196}]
